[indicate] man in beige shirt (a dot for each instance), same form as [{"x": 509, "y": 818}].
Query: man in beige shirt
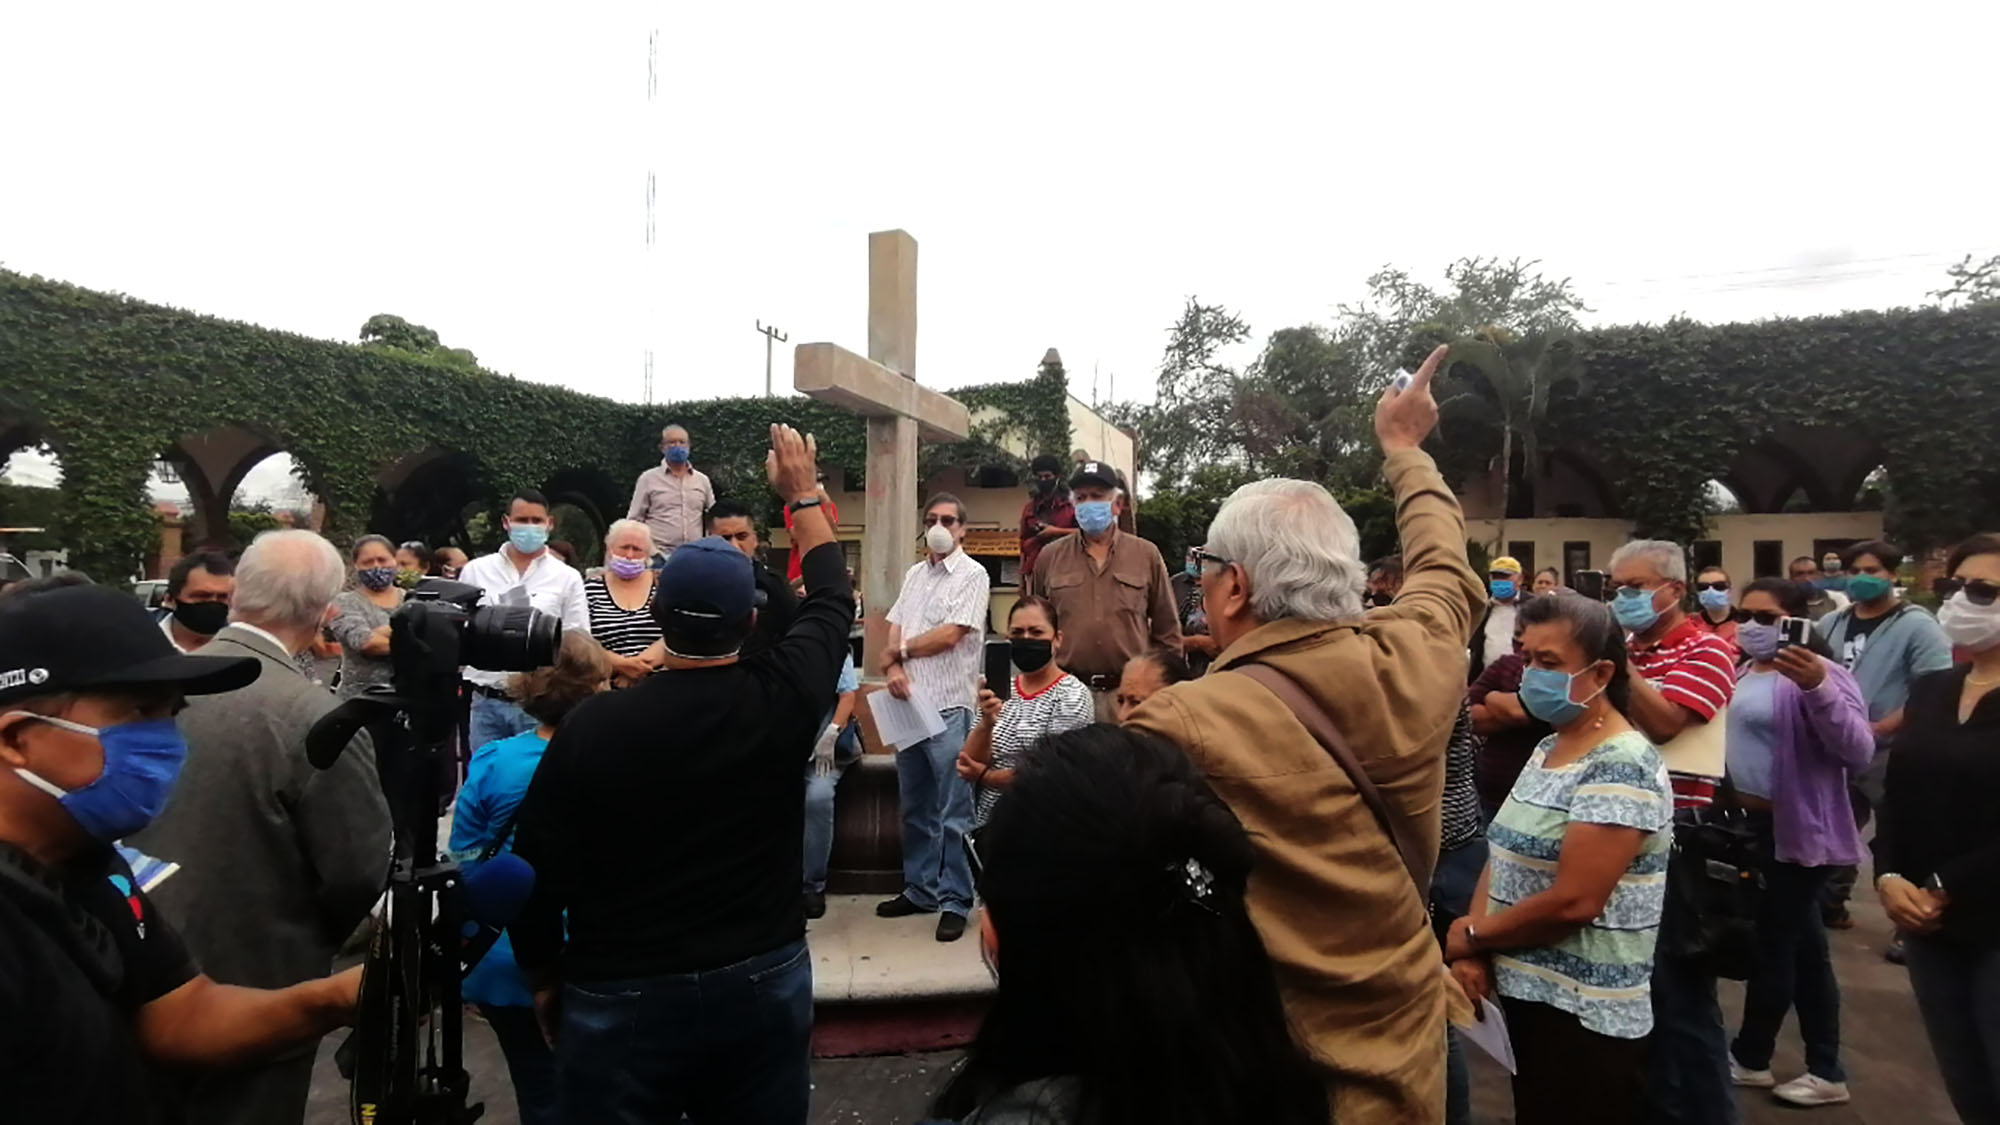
[
  {"x": 670, "y": 498},
  {"x": 1110, "y": 588}
]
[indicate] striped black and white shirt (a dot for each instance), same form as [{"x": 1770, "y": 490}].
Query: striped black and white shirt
[
  {"x": 625, "y": 632},
  {"x": 1026, "y": 719}
]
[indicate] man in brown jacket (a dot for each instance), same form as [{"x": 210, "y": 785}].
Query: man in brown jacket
[{"x": 1346, "y": 929}]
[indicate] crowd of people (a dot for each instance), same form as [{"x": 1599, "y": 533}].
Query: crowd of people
[{"x": 1250, "y": 841}]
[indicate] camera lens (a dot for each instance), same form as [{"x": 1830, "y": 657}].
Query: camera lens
[{"x": 504, "y": 638}]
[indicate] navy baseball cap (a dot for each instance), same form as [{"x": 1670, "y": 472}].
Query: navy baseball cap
[
  {"x": 93, "y": 638},
  {"x": 707, "y": 579}
]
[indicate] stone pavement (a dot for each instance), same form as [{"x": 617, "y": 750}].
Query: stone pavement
[{"x": 1888, "y": 1060}]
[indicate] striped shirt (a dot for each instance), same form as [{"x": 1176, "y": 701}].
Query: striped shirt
[
  {"x": 1025, "y": 720},
  {"x": 952, "y": 592},
  {"x": 1601, "y": 974},
  {"x": 1460, "y": 823},
  {"x": 625, "y": 632},
  {"x": 1696, "y": 669}
]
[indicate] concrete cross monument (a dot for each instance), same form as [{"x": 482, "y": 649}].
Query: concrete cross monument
[{"x": 883, "y": 389}]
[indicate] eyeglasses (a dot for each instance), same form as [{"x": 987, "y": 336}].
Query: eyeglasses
[
  {"x": 1978, "y": 591},
  {"x": 1202, "y": 555},
  {"x": 947, "y": 521},
  {"x": 1722, "y": 586}
]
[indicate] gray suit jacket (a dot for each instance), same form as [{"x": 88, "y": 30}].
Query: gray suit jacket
[{"x": 279, "y": 861}]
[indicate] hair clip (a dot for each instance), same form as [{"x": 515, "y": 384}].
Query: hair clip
[{"x": 1197, "y": 882}]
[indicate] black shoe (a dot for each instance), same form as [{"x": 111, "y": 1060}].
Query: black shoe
[
  {"x": 1895, "y": 954},
  {"x": 951, "y": 926},
  {"x": 815, "y": 904},
  {"x": 899, "y": 907}
]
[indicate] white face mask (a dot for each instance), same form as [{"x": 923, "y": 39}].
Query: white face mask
[
  {"x": 1976, "y": 627},
  {"x": 939, "y": 539}
]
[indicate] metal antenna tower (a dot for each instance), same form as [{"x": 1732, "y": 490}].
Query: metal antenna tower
[{"x": 652, "y": 193}]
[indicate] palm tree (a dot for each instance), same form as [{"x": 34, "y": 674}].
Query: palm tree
[{"x": 1522, "y": 373}]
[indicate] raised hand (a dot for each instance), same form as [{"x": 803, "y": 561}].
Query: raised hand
[
  {"x": 1404, "y": 418},
  {"x": 792, "y": 465}
]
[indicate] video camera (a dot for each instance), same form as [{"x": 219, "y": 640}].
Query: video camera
[{"x": 436, "y": 923}]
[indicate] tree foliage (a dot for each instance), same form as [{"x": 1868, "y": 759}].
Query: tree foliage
[
  {"x": 389, "y": 332},
  {"x": 1507, "y": 382},
  {"x": 1402, "y": 318},
  {"x": 1971, "y": 284}
]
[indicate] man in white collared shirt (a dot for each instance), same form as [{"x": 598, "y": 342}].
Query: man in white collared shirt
[
  {"x": 935, "y": 639},
  {"x": 522, "y": 572}
]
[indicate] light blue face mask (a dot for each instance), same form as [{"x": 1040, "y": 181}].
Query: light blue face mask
[
  {"x": 1634, "y": 609},
  {"x": 528, "y": 538},
  {"x": 1503, "y": 589},
  {"x": 1094, "y": 517},
  {"x": 1545, "y": 695},
  {"x": 1713, "y": 599}
]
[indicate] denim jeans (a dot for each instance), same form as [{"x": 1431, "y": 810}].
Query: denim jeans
[
  {"x": 729, "y": 1046},
  {"x": 495, "y": 719},
  {"x": 819, "y": 807},
  {"x": 937, "y": 809},
  {"x": 1452, "y": 884},
  {"x": 1689, "y": 1074},
  {"x": 530, "y": 1064},
  {"x": 1958, "y": 993},
  {"x": 1793, "y": 966}
]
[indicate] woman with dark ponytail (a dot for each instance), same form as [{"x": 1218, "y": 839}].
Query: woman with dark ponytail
[{"x": 1133, "y": 988}]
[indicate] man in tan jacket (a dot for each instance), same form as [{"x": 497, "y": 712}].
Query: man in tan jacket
[{"x": 1330, "y": 894}]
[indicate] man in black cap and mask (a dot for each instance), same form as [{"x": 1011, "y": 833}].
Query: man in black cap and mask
[{"x": 94, "y": 983}]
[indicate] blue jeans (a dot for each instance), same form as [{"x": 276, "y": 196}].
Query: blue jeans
[
  {"x": 729, "y": 1046},
  {"x": 529, "y": 1062},
  {"x": 1452, "y": 884},
  {"x": 1690, "y": 1082},
  {"x": 937, "y": 809},
  {"x": 495, "y": 719},
  {"x": 1958, "y": 993},
  {"x": 1792, "y": 967},
  {"x": 819, "y": 808}
]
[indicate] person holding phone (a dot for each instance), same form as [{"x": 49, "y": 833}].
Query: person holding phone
[
  {"x": 1797, "y": 728},
  {"x": 1045, "y": 700}
]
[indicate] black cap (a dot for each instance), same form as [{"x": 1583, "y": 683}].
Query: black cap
[
  {"x": 89, "y": 638},
  {"x": 1046, "y": 463},
  {"x": 1096, "y": 472}
]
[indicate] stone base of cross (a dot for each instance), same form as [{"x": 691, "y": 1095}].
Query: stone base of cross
[{"x": 900, "y": 412}]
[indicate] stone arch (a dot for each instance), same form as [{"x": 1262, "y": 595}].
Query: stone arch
[
  {"x": 1574, "y": 486},
  {"x": 212, "y": 466},
  {"x": 427, "y": 494}
]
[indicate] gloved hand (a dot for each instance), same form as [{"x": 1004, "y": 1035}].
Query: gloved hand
[{"x": 823, "y": 752}]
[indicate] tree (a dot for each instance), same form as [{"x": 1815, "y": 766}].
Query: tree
[
  {"x": 1302, "y": 410},
  {"x": 1520, "y": 375},
  {"x": 1970, "y": 284},
  {"x": 392, "y": 333},
  {"x": 1186, "y": 425},
  {"x": 1402, "y": 318}
]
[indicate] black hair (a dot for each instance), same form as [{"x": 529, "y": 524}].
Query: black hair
[
  {"x": 528, "y": 496},
  {"x": 1794, "y": 598},
  {"x": 1046, "y": 463},
  {"x": 730, "y": 510},
  {"x": 354, "y": 549},
  {"x": 1882, "y": 552},
  {"x": 1030, "y": 601},
  {"x": 426, "y": 559},
  {"x": 1389, "y": 567},
  {"x": 214, "y": 562},
  {"x": 1120, "y": 968},
  {"x": 1984, "y": 543},
  {"x": 1807, "y": 559},
  {"x": 1552, "y": 572},
  {"x": 1596, "y": 632},
  {"x": 1174, "y": 668},
  {"x": 945, "y": 498}
]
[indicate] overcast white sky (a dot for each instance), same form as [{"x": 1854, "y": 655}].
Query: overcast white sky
[{"x": 1072, "y": 171}]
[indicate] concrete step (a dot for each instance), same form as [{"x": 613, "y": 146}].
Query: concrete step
[{"x": 888, "y": 986}]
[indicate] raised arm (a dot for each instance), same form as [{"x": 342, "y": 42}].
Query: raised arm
[{"x": 1439, "y": 585}]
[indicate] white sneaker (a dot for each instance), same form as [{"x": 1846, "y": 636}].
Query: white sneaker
[
  {"x": 1754, "y": 1079},
  {"x": 1811, "y": 1090}
]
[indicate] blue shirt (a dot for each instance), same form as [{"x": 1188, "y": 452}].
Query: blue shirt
[
  {"x": 1753, "y": 734},
  {"x": 1905, "y": 645},
  {"x": 494, "y": 785}
]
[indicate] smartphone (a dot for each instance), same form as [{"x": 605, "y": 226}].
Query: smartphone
[
  {"x": 1794, "y": 631},
  {"x": 999, "y": 667},
  {"x": 1402, "y": 381},
  {"x": 1591, "y": 584}
]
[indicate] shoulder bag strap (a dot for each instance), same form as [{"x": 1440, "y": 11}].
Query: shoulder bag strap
[{"x": 1320, "y": 725}]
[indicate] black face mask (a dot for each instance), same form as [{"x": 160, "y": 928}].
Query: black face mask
[
  {"x": 1380, "y": 598},
  {"x": 204, "y": 618},
  {"x": 1044, "y": 487},
  {"x": 1030, "y": 654}
]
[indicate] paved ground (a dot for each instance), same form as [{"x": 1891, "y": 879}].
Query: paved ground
[{"x": 1889, "y": 1062}]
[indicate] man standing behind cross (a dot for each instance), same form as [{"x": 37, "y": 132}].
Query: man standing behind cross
[
  {"x": 671, "y": 497},
  {"x": 1110, "y": 590}
]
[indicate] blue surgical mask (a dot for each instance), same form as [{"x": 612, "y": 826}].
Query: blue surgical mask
[
  {"x": 1094, "y": 517},
  {"x": 528, "y": 538},
  {"x": 1758, "y": 642},
  {"x": 1545, "y": 695},
  {"x": 141, "y": 761},
  {"x": 1713, "y": 599},
  {"x": 1503, "y": 589},
  {"x": 1634, "y": 609},
  {"x": 677, "y": 454},
  {"x": 1193, "y": 568},
  {"x": 1868, "y": 587}
]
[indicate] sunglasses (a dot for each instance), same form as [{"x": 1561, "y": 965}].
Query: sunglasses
[
  {"x": 1722, "y": 586},
  {"x": 1768, "y": 618},
  {"x": 1978, "y": 591},
  {"x": 947, "y": 521}
]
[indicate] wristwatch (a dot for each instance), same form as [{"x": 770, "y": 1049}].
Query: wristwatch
[{"x": 797, "y": 505}]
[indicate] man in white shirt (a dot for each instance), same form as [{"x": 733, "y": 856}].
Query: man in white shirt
[
  {"x": 933, "y": 656},
  {"x": 197, "y": 602},
  {"x": 522, "y": 572},
  {"x": 671, "y": 497}
]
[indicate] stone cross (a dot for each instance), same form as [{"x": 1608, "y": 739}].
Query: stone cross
[{"x": 883, "y": 389}]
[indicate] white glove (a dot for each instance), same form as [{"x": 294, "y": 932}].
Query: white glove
[{"x": 823, "y": 752}]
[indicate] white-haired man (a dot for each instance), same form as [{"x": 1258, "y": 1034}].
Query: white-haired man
[
  {"x": 1110, "y": 589},
  {"x": 670, "y": 497},
  {"x": 1340, "y": 912},
  {"x": 278, "y": 861}
]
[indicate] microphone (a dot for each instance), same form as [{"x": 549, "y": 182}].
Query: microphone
[{"x": 494, "y": 896}]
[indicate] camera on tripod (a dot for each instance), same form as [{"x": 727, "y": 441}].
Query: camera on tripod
[{"x": 406, "y": 1056}]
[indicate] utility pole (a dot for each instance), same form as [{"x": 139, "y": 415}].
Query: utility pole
[{"x": 770, "y": 334}]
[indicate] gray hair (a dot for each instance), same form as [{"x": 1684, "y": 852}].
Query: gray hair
[
  {"x": 1299, "y": 550},
  {"x": 674, "y": 428},
  {"x": 617, "y": 526},
  {"x": 1668, "y": 560},
  {"x": 286, "y": 579}
]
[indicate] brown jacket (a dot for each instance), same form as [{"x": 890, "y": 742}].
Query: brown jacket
[{"x": 1357, "y": 964}]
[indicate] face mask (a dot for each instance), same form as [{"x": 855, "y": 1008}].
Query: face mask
[
  {"x": 1545, "y": 695},
  {"x": 141, "y": 761},
  {"x": 408, "y": 579},
  {"x": 205, "y": 618},
  {"x": 1976, "y": 627},
  {"x": 1094, "y": 517},
  {"x": 376, "y": 577},
  {"x": 677, "y": 454},
  {"x": 1758, "y": 642},
  {"x": 1503, "y": 589},
  {"x": 626, "y": 568},
  {"x": 1030, "y": 654},
  {"x": 1193, "y": 568},
  {"x": 1044, "y": 487},
  {"x": 1634, "y": 610},
  {"x": 1713, "y": 599},
  {"x": 528, "y": 538},
  {"x": 939, "y": 540},
  {"x": 1868, "y": 587},
  {"x": 1380, "y": 598}
]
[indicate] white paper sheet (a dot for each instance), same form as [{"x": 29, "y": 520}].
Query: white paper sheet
[
  {"x": 1490, "y": 1034},
  {"x": 903, "y": 723}
]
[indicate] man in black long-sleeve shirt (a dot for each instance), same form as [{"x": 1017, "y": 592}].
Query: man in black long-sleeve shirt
[{"x": 664, "y": 819}]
